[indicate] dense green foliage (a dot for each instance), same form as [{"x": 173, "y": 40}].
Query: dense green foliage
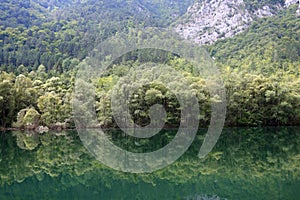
[
  {"x": 253, "y": 5},
  {"x": 55, "y": 33},
  {"x": 41, "y": 46},
  {"x": 270, "y": 45},
  {"x": 39, "y": 57},
  {"x": 21, "y": 97},
  {"x": 261, "y": 69}
]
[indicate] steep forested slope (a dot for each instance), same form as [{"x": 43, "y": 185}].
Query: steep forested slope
[
  {"x": 269, "y": 45},
  {"x": 39, "y": 54},
  {"x": 14, "y": 13},
  {"x": 48, "y": 32}
]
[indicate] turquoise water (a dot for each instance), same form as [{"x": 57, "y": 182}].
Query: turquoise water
[{"x": 246, "y": 163}]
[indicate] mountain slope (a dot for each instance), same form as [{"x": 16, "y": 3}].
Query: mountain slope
[
  {"x": 34, "y": 12},
  {"x": 34, "y": 32},
  {"x": 267, "y": 46},
  {"x": 28, "y": 12},
  {"x": 260, "y": 66},
  {"x": 58, "y": 33}
]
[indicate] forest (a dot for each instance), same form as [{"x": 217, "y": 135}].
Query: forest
[{"x": 41, "y": 51}]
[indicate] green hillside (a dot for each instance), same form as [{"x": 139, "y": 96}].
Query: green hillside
[
  {"x": 42, "y": 42},
  {"x": 269, "y": 45},
  {"x": 42, "y": 32}
]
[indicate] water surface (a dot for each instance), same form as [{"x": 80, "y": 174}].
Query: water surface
[{"x": 246, "y": 163}]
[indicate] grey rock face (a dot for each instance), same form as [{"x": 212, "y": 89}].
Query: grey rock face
[
  {"x": 290, "y": 2},
  {"x": 210, "y": 20}
]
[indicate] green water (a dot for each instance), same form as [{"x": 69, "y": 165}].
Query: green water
[{"x": 246, "y": 163}]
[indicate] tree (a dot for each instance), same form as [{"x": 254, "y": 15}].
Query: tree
[
  {"x": 27, "y": 118},
  {"x": 50, "y": 106},
  {"x": 7, "y": 103}
]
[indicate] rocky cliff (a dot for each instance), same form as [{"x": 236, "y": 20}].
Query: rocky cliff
[{"x": 207, "y": 21}]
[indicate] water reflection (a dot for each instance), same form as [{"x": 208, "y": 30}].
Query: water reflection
[
  {"x": 204, "y": 197},
  {"x": 247, "y": 163}
]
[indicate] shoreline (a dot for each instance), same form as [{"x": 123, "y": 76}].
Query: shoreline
[
  {"x": 33, "y": 130},
  {"x": 110, "y": 128}
]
